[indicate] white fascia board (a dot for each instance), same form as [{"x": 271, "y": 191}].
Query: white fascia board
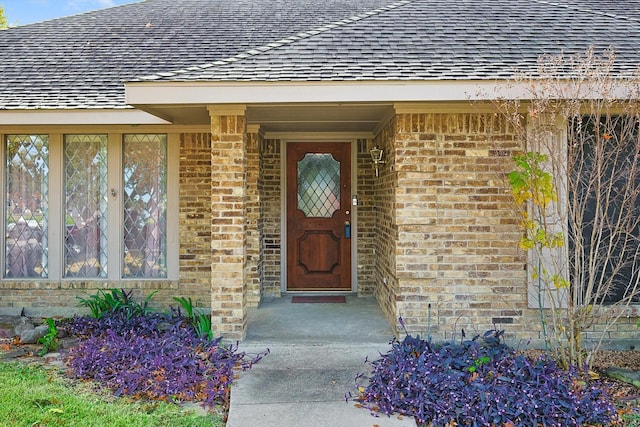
[
  {"x": 79, "y": 117},
  {"x": 210, "y": 93},
  {"x": 197, "y": 92}
]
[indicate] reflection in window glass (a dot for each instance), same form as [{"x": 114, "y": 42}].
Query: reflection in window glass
[
  {"x": 145, "y": 206},
  {"x": 85, "y": 187},
  {"x": 27, "y": 174}
]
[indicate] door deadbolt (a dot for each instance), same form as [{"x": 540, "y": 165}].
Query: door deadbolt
[{"x": 347, "y": 229}]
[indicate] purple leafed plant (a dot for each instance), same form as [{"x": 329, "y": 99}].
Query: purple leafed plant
[
  {"x": 479, "y": 382},
  {"x": 154, "y": 356}
]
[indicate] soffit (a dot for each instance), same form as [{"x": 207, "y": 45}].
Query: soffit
[{"x": 296, "y": 118}]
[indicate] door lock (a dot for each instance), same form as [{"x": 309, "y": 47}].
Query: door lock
[{"x": 347, "y": 229}]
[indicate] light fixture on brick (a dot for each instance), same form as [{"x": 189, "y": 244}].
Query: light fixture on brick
[{"x": 376, "y": 156}]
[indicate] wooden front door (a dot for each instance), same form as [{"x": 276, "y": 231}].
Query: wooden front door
[{"x": 318, "y": 216}]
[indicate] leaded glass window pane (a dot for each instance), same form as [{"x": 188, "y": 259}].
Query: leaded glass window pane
[
  {"x": 145, "y": 206},
  {"x": 27, "y": 174},
  {"x": 318, "y": 185},
  {"x": 85, "y": 190}
]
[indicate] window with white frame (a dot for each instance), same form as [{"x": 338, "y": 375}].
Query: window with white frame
[
  {"x": 85, "y": 206},
  {"x": 26, "y": 218},
  {"x": 90, "y": 206},
  {"x": 144, "y": 178}
]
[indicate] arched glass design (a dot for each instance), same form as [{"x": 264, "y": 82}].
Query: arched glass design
[{"x": 318, "y": 185}]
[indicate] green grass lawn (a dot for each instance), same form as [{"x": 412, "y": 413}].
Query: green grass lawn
[
  {"x": 33, "y": 396},
  {"x": 631, "y": 420}
]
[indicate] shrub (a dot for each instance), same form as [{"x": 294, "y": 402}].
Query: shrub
[
  {"x": 200, "y": 321},
  {"x": 154, "y": 356},
  {"x": 479, "y": 382},
  {"x": 104, "y": 302}
]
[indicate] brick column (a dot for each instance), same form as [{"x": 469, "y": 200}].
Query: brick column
[{"x": 228, "y": 221}]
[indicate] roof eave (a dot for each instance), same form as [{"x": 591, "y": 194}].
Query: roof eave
[
  {"x": 61, "y": 116},
  {"x": 205, "y": 92}
]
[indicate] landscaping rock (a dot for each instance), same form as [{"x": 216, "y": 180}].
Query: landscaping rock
[
  {"x": 62, "y": 333},
  {"x": 23, "y": 324},
  {"x": 55, "y": 359},
  {"x": 13, "y": 353},
  {"x": 6, "y": 330},
  {"x": 9, "y": 323},
  {"x": 31, "y": 336},
  {"x": 626, "y": 375},
  {"x": 195, "y": 408}
]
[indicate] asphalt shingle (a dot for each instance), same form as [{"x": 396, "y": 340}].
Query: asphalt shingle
[
  {"x": 442, "y": 40},
  {"x": 84, "y": 60}
]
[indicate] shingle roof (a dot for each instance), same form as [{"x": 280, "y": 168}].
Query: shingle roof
[
  {"x": 440, "y": 40},
  {"x": 84, "y": 60}
]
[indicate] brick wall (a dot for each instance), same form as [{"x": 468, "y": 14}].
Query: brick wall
[
  {"x": 457, "y": 235},
  {"x": 366, "y": 219},
  {"x": 386, "y": 233},
  {"x": 622, "y": 335},
  {"x": 252, "y": 277},
  {"x": 446, "y": 256},
  {"x": 228, "y": 225},
  {"x": 269, "y": 224},
  {"x": 60, "y": 298},
  {"x": 437, "y": 237},
  {"x": 195, "y": 218},
  {"x": 446, "y": 252}
]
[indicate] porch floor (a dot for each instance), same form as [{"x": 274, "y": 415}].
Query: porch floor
[{"x": 359, "y": 320}]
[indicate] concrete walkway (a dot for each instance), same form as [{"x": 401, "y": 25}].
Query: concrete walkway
[{"x": 316, "y": 352}]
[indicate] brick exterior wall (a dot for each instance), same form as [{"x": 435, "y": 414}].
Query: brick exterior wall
[
  {"x": 228, "y": 225},
  {"x": 456, "y": 212},
  {"x": 442, "y": 198},
  {"x": 60, "y": 298},
  {"x": 622, "y": 335},
  {"x": 195, "y": 221},
  {"x": 252, "y": 277},
  {"x": 366, "y": 223},
  {"x": 269, "y": 225},
  {"x": 385, "y": 235}
]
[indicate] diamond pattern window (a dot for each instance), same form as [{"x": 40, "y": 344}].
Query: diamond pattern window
[
  {"x": 88, "y": 207},
  {"x": 85, "y": 195},
  {"x": 318, "y": 185},
  {"x": 26, "y": 182},
  {"x": 145, "y": 206}
]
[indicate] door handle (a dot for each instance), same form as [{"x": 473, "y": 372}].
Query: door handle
[{"x": 347, "y": 229}]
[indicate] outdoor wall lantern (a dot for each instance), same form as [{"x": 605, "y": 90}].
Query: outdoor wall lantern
[{"x": 376, "y": 157}]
